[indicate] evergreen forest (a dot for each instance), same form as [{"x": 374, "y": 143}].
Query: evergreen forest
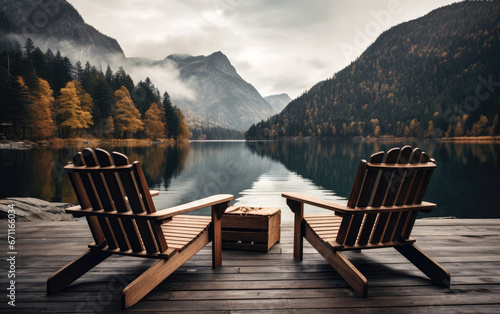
[
  {"x": 437, "y": 76},
  {"x": 43, "y": 95}
]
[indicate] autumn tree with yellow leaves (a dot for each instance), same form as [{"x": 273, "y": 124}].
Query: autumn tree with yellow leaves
[
  {"x": 154, "y": 126},
  {"x": 40, "y": 103},
  {"x": 70, "y": 115},
  {"x": 183, "y": 133},
  {"x": 126, "y": 117}
]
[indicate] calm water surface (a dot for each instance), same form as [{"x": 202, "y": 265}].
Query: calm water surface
[{"x": 466, "y": 183}]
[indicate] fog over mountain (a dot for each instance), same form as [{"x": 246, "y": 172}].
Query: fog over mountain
[
  {"x": 221, "y": 94},
  {"x": 55, "y": 24},
  {"x": 278, "y": 102},
  {"x": 207, "y": 89}
]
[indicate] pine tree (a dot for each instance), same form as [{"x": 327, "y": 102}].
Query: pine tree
[
  {"x": 40, "y": 64},
  {"x": 61, "y": 72},
  {"x": 109, "y": 76},
  {"x": 121, "y": 78},
  {"x": 126, "y": 117},
  {"x": 78, "y": 71},
  {"x": 103, "y": 101},
  {"x": 13, "y": 99},
  {"x": 144, "y": 95},
  {"x": 29, "y": 48},
  {"x": 171, "y": 118}
]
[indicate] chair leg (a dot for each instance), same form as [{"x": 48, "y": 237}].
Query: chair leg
[
  {"x": 216, "y": 233},
  {"x": 74, "y": 270},
  {"x": 154, "y": 275},
  {"x": 147, "y": 281},
  {"x": 348, "y": 271},
  {"x": 298, "y": 228},
  {"x": 427, "y": 265},
  {"x": 340, "y": 263}
]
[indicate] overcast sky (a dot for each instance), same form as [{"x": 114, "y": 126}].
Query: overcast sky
[{"x": 278, "y": 46}]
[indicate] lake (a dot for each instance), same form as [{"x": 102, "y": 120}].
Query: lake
[{"x": 466, "y": 183}]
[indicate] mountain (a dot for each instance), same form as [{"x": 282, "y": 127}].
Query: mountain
[
  {"x": 208, "y": 89},
  {"x": 435, "y": 76},
  {"x": 278, "y": 102},
  {"x": 221, "y": 95},
  {"x": 55, "y": 25}
]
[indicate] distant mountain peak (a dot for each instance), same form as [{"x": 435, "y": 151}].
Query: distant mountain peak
[
  {"x": 278, "y": 102},
  {"x": 222, "y": 95}
]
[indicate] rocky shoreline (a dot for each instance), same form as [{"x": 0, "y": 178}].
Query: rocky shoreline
[{"x": 33, "y": 209}]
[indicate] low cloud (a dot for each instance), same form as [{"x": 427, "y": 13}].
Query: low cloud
[
  {"x": 273, "y": 41},
  {"x": 165, "y": 77}
]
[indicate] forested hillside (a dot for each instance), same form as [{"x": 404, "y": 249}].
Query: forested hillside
[
  {"x": 43, "y": 95},
  {"x": 437, "y": 76}
]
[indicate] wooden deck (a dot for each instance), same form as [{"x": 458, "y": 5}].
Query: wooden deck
[{"x": 273, "y": 281}]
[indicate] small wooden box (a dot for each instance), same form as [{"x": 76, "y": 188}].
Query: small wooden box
[{"x": 251, "y": 228}]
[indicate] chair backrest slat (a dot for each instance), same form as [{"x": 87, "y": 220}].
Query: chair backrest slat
[
  {"x": 388, "y": 188},
  {"x": 365, "y": 195},
  {"x": 131, "y": 189},
  {"x": 118, "y": 196},
  {"x": 345, "y": 232},
  {"x": 95, "y": 202},
  {"x": 392, "y": 185},
  {"x": 378, "y": 196},
  {"x": 149, "y": 205},
  {"x": 381, "y": 191},
  {"x": 392, "y": 181},
  {"x": 397, "y": 177},
  {"x": 84, "y": 201},
  {"x": 106, "y": 200},
  {"x": 406, "y": 178},
  {"x": 419, "y": 195},
  {"x": 101, "y": 188}
]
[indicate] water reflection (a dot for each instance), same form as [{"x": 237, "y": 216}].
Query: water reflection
[{"x": 464, "y": 184}]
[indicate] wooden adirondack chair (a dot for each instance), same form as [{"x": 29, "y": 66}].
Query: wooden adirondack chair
[
  {"x": 384, "y": 202},
  {"x": 116, "y": 201}
]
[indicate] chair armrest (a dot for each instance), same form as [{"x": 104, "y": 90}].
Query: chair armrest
[
  {"x": 185, "y": 208},
  {"x": 160, "y": 215},
  {"x": 302, "y": 198},
  {"x": 342, "y": 209}
]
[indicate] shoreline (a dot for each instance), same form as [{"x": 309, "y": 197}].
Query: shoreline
[
  {"x": 82, "y": 142},
  {"x": 385, "y": 139}
]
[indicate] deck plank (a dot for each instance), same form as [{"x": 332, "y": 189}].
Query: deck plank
[{"x": 267, "y": 282}]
